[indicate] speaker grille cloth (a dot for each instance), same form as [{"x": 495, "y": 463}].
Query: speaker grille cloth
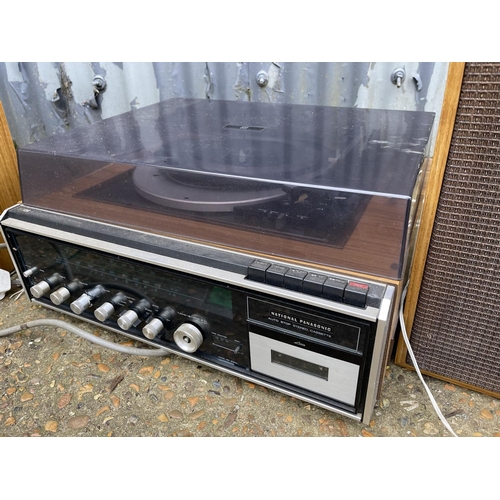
[{"x": 456, "y": 329}]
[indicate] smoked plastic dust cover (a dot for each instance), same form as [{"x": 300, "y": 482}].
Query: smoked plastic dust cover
[{"x": 315, "y": 184}]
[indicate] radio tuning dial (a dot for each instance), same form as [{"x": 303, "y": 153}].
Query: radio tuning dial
[{"x": 188, "y": 337}]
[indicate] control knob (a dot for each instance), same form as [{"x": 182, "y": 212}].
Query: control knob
[
  {"x": 158, "y": 323},
  {"x": 86, "y": 299},
  {"x": 131, "y": 315},
  {"x": 190, "y": 335},
  {"x": 29, "y": 272},
  {"x": 106, "y": 310},
  {"x": 46, "y": 285},
  {"x": 64, "y": 293}
]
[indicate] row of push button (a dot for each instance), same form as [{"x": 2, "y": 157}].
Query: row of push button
[{"x": 349, "y": 292}]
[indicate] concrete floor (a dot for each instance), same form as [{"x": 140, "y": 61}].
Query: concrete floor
[{"x": 53, "y": 383}]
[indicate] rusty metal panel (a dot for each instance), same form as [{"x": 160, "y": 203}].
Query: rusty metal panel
[{"x": 42, "y": 99}]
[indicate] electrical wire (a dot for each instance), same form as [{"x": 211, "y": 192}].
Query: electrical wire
[
  {"x": 415, "y": 365},
  {"x": 82, "y": 333},
  {"x": 16, "y": 295}
]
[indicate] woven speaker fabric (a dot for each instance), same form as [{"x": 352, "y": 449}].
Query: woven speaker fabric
[{"x": 456, "y": 329}]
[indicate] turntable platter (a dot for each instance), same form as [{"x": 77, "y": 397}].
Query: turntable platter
[
  {"x": 217, "y": 174},
  {"x": 201, "y": 192}
]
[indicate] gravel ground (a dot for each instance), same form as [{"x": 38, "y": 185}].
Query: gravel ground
[{"x": 53, "y": 383}]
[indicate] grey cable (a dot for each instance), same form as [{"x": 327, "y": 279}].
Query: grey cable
[{"x": 82, "y": 333}]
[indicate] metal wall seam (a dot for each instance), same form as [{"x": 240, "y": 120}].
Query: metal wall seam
[{"x": 42, "y": 99}]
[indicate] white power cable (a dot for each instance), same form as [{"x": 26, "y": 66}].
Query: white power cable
[
  {"x": 415, "y": 365},
  {"x": 82, "y": 333}
]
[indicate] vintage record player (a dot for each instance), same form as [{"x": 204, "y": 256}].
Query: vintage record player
[{"x": 269, "y": 241}]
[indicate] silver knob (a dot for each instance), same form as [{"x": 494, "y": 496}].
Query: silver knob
[
  {"x": 153, "y": 328},
  {"x": 127, "y": 319},
  {"x": 79, "y": 305},
  {"x": 188, "y": 337},
  {"x": 60, "y": 295},
  {"x": 103, "y": 312},
  {"x": 30, "y": 271},
  {"x": 40, "y": 289}
]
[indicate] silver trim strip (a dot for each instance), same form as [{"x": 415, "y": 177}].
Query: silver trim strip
[
  {"x": 28, "y": 209},
  {"x": 369, "y": 313},
  {"x": 378, "y": 357}
]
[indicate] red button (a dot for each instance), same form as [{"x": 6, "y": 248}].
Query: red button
[{"x": 358, "y": 285}]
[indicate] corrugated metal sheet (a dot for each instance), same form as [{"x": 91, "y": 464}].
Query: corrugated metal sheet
[{"x": 42, "y": 99}]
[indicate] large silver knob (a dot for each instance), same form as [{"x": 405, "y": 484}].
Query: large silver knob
[{"x": 188, "y": 337}]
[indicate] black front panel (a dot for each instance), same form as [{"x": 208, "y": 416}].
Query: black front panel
[
  {"x": 152, "y": 304},
  {"x": 223, "y": 307}
]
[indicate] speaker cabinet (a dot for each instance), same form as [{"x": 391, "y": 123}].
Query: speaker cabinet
[{"x": 455, "y": 312}]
